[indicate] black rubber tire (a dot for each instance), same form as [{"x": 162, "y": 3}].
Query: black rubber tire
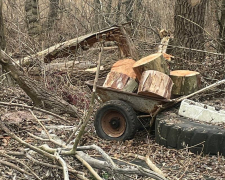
[
  {"x": 126, "y": 111},
  {"x": 182, "y": 133}
]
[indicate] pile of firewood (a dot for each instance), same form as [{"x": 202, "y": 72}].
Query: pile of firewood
[{"x": 151, "y": 76}]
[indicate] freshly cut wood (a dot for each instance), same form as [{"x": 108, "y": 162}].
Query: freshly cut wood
[
  {"x": 153, "y": 62},
  {"x": 120, "y": 81},
  {"x": 125, "y": 66},
  {"x": 185, "y": 81},
  {"x": 155, "y": 84}
]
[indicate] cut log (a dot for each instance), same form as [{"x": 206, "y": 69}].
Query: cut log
[
  {"x": 185, "y": 82},
  {"x": 155, "y": 84},
  {"x": 125, "y": 66},
  {"x": 121, "y": 82},
  {"x": 153, "y": 62}
]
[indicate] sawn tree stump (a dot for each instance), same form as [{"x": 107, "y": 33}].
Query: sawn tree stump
[
  {"x": 120, "y": 81},
  {"x": 185, "y": 82},
  {"x": 155, "y": 84},
  {"x": 153, "y": 62}
]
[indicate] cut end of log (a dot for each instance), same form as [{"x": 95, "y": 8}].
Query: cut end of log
[
  {"x": 147, "y": 59},
  {"x": 183, "y": 73},
  {"x": 153, "y": 62},
  {"x": 124, "y": 66}
]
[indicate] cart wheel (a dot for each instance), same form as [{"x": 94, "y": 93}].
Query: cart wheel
[{"x": 115, "y": 120}]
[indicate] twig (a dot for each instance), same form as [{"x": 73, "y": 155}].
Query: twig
[
  {"x": 14, "y": 167},
  {"x": 73, "y": 133},
  {"x": 49, "y": 137},
  {"x": 100, "y": 150},
  {"x": 79, "y": 174},
  {"x": 93, "y": 172},
  {"x": 34, "y": 148},
  {"x": 63, "y": 163},
  {"x": 32, "y": 108},
  {"x": 19, "y": 161}
]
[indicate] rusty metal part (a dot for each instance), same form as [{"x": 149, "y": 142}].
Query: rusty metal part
[{"x": 113, "y": 123}]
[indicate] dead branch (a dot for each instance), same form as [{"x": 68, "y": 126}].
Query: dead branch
[
  {"x": 85, "y": 42},
  {"x": 149, "y": 163},
  {"x": 12, "y": 135},
  {"x": 14, "y": 167},
  {"x": 93, "y": 172},
  {"x": 63, "y": 164},
  {"x": 79, "y": 174},
  {"x": 40, "y": 96},
  {"x": 19, "y": 161},
  {"x": 49, "y": 137}
]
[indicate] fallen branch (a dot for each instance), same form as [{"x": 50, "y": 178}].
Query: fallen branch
[
  {"x": 63, "y": 164},
  {"x": 14, "y": 167},
  {"x": 93, "y": 172},
  {"x": 148, "y": 162},
  {"x": 19, "y": 161}
]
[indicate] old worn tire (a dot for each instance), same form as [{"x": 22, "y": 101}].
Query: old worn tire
[
  {"x": 115, "y": 120},
  {"x": 182, "y": 133}
]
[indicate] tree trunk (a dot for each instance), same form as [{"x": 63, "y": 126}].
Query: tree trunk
[
  {"x": 118, "y": 11},
  {"x": 129, "y": 9},
  {"x": 53, "y": 12},
  {"x": 40, "y": 96},
  {"x": 32, "y": 17},
  {"x": 189, "y": 19},
  {"x": 2, "y": 34},
  {"x": 222, "y": 28},
  {"x": 97, "y": 11}
]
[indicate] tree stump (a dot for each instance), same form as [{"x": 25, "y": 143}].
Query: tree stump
[
  {"x": 185, "y": 82},
  {"x": 153, "y": 62},
  {"x": 120, "y": 81},
  {"x": 125, "y": 66},
  {"x": 155, "y": 84}
]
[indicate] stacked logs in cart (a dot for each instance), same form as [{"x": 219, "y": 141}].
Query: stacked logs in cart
[{"x": 151, "y": 76}]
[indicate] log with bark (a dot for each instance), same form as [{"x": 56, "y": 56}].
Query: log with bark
[
  {"x": 120, "y": 81},
  {"x": 122, "y": 76},
  {"x": 185, "y": 82},
  {"x": 69, "y": 47},
  {"x": 155, "y": 84},
  {"x": 153, "y": 62},
  {"x": 40, "y": 96}
]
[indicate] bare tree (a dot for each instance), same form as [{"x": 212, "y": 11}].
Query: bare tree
[
  {"x": 2, "y": 34},
  {"x": 189, "y": 21},
  {"x": 31, "y": 9},
  {"x": 118, "y": 11},
  {"x": 220, "y": 16},
  {"x": 53, "y": 12}
]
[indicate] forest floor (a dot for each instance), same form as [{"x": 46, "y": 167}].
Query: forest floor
[{"x": 175, "y": 164}]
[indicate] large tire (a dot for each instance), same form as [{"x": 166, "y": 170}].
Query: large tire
[
  {"x": 115, "y": 120},
  {"x": 179, "y": 132}
]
